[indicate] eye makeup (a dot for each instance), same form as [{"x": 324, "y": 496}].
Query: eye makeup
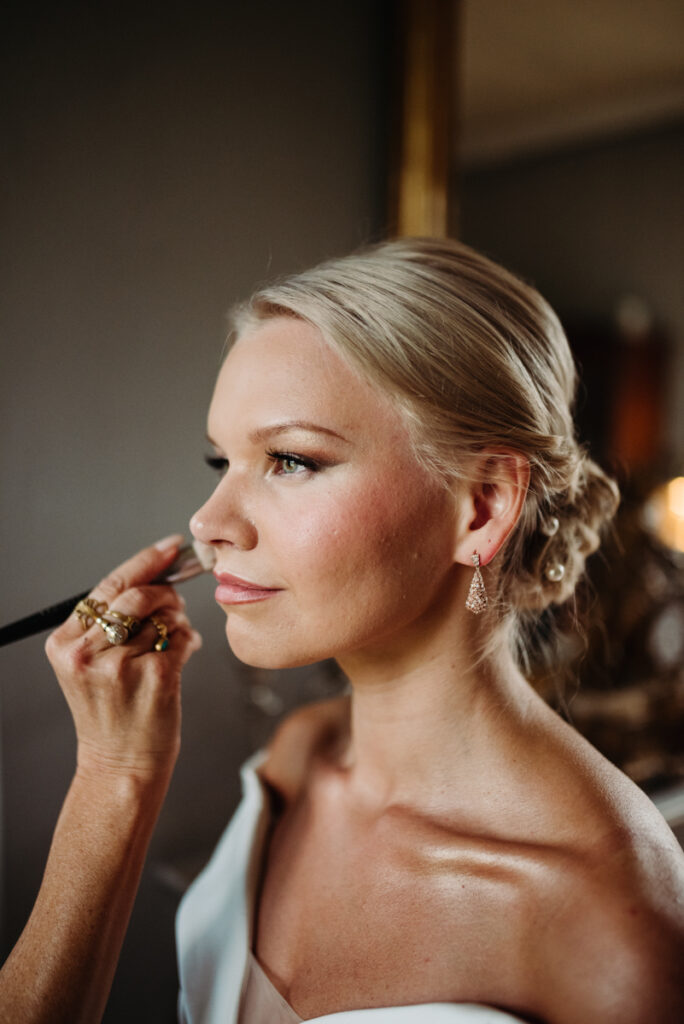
[
  {"x": 291, "y": 457},
  {"x": 216, "y": 462},
  {"x": 219, "y": 463}
]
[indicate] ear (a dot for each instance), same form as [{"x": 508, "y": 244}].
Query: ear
[{"x": 491, "y": 504}]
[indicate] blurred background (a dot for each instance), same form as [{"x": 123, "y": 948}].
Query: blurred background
[{"x": 160, "y": 160}]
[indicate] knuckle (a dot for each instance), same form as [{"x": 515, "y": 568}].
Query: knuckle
[
  {"x": 134, "y": 600},
  {"x": 77, "y": 656},
  {"x": 52, "y": 647},
  {"x": 191, "y": 644},
  {"x": 159, "y": 675},
  {"x": 112, "y": 585},
  {"x": 82, "y": 654},
  {"x": 58, "y": 637},
  {"x": 144, "y": 597},
  {"x": 138, "y": 595},
  {"x": 188, "y": 640},
  {"x": 176, "y": 618},
  {"x": 168, "y": 597}
]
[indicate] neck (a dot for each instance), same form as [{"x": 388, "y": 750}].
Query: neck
[{"x": 417, "y": 723}]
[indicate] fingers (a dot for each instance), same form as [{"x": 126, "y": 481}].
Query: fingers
[
  {"x": 78, "y": 654},
  {"x": 139, "y": 570},
  {"x": 134, "y": 574},
  {"x": 144, "y": 604},
  {"x": 141, "y": 602},
  {"x": 170, "y": 624},
  {"x": 125, "y": 697}
]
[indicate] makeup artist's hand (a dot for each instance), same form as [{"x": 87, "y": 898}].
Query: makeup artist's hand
[{"x": 125, "y": 700}]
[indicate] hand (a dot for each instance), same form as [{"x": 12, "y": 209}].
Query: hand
[{"x": 125, "y": 700}]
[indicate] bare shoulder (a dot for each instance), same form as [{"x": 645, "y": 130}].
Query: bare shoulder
[
  {"x": 612, "y": 949},
  {"x": 614, "y": 946},
  {"x": 311, "y": 730}
]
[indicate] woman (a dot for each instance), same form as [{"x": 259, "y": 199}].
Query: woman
[{"x": 401, "y": 490}]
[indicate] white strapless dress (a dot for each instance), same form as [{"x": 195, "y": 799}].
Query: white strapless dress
[{"x": 221, "y": 982}]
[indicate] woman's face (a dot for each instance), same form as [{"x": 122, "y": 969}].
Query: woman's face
[{"x": 330, "y": 538}]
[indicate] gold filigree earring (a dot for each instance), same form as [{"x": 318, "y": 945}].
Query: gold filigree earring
[{"x": 476, "y": 601}]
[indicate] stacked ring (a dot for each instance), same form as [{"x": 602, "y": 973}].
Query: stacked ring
[
  {"x": 117, "y": 632},
  {"x": 87, "y": 609},
  {"x": 130, "y": 622},
  {"x": 123, "y": 627}
]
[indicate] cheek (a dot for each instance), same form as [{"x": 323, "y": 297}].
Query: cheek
[
  {"x": 376, "y": 536},
  {"x": 358, "y": 565}
]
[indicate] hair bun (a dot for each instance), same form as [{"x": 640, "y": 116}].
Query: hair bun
[{"x": 569, "y": 530}]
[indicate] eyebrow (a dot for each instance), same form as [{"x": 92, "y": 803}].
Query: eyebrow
[{"x": 261, "y": 434}]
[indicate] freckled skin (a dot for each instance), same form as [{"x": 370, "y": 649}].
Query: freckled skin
[{"x": 362, "y": 549}]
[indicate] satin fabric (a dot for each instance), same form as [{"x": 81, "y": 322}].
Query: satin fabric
[
  {"x": 214, "y": 932},
  {"x": 261, "y": 1002}
]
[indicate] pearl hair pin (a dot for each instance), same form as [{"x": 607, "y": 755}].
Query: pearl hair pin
[
  {"x": 555, "y": 572},
  {"x": 550, "y": 526}
]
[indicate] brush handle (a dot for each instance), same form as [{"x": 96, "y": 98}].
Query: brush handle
[
  {"x": 186, "y": 565},
  {"x": 48, "y": 618}
]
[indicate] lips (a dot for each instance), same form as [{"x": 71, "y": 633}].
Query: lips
[{"x": 234, "y": 590}]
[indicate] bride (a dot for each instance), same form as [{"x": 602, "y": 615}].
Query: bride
[{"x": 400, "y": 488}]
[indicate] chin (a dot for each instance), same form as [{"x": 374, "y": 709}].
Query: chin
[{"x": 258, "y": 652}]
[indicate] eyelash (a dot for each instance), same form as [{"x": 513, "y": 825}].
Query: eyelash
[
  {"x": 299, "y": 460},
  {"x": 216, "y": 462},
  {"x": 220, "y": 464}
]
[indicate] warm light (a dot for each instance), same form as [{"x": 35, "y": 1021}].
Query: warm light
[
  {"x": 664, "y": 514},
  {"x": 675, "y": 496}
]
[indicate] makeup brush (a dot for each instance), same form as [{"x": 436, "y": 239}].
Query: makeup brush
[{"x": 191, "y": 560}]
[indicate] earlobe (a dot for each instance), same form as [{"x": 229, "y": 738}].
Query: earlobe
[{"x": 495, "y": 500}]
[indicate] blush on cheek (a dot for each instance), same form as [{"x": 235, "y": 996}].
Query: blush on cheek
[
  {"x": 374, "y": 528},
  {"x": 356, "y": 525}
]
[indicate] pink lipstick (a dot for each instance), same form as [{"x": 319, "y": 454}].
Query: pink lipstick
[{"x": 234, "y": 590}]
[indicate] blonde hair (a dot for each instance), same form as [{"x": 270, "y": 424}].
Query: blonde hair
[{"x": 477, "y": 360}]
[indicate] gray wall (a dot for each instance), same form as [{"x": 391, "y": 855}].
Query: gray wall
[
  {"x": 590, "y": 224},
  {"x": 160, "y": 160}
]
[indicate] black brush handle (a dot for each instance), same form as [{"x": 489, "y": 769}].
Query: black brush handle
[{"x": 40, "y": 621}]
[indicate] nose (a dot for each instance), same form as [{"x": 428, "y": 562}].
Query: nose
[{"x": 222, "y": 520}]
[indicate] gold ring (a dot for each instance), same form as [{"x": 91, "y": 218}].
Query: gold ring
[
  {"x": 87, "y": 609},
  {"x": 162, "y": 634},
  {"x": 130, "y": 622},
  {"x": 119, "y": 632},
  {"x": 115, "y": 632}
]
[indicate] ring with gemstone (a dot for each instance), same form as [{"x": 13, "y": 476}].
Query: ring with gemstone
[
  {"x": 117, "y": 632},
  {"x": 129, "y": 621},
  {"x": 162, "y": 634}
]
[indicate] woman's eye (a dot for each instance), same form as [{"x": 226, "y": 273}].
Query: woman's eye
[
  {"x": 217, "y": 462},
  {"x": 288, "y": 464}
]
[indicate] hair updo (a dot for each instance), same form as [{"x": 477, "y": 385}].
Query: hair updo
[{"x": 477, "y": 360}]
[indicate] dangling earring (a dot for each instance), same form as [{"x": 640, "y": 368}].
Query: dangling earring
[{"x": 476, "y": 601}]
